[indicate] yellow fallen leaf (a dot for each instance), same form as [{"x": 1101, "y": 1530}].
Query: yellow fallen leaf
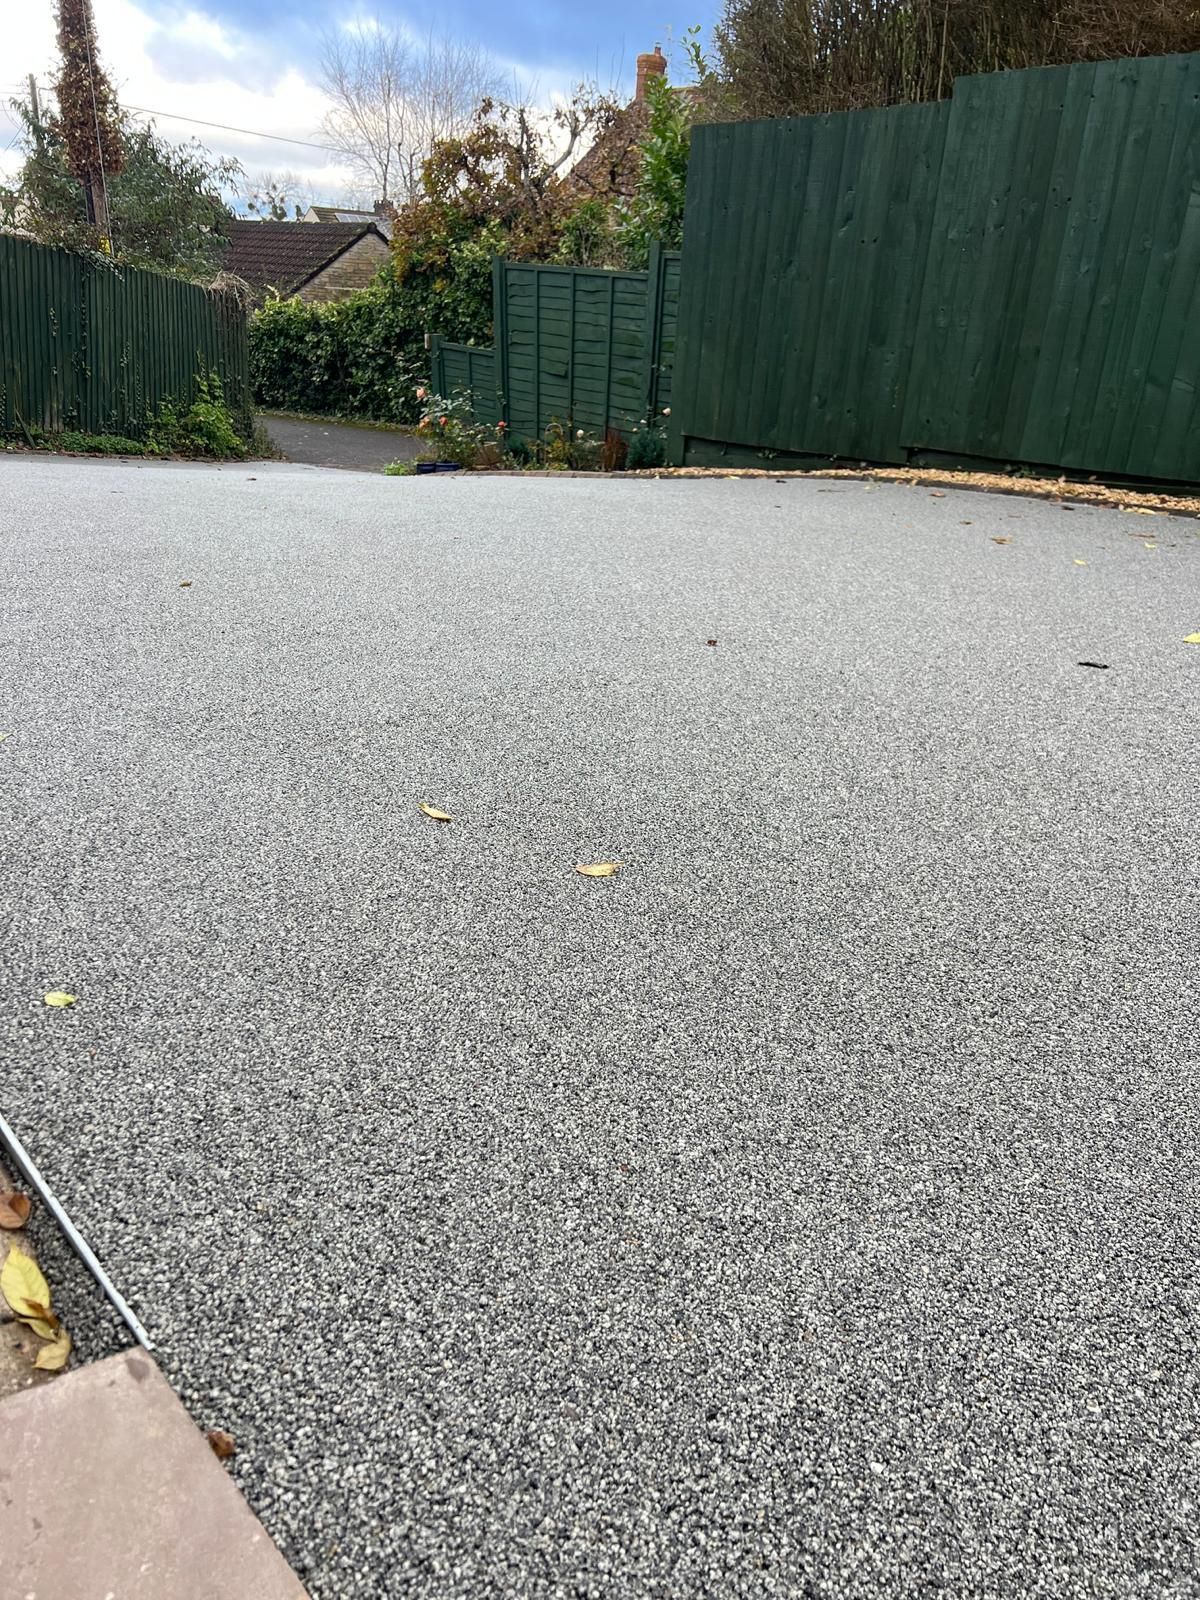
[
  {"x": 27, "y": 1292},
  {"x": 1149, "y": 545},
  {"x": 432, "y": 811},
  {"x": 3, "y": 736},
  {"x": 53, "y": 1357},
  {"x": 1192, "y": 638},
  {"x": 59, "y": 997},
  {"x": 601, "y": 869},
  {"x": 1080, "y": 563},
  {"x": 1140, "y": 511}
]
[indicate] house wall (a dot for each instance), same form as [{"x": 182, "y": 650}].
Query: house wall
[{"x": 352, "y": 270}]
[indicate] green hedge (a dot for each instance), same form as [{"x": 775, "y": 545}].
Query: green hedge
[{"x": 363, "y": 356}]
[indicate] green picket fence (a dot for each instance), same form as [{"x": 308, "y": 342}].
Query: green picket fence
[
  {"x": 581, "y": 346},
  {"x": 1012, "y": 275},
  {"x": 98, "y": 349}
]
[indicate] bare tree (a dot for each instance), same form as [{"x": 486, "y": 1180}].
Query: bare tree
[
  {"x": 277, "y": 196},
  {"x": 394, "y": 97}
]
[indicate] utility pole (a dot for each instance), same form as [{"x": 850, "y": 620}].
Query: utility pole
[{"x": 35, "y": 106}]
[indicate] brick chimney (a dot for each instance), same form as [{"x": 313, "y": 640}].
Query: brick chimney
[{"x": 649, "y": 66}]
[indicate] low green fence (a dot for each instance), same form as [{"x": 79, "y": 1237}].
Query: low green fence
[
  {"x": 470, "y": 370},
  {"x": 98, "y": 349},
  {"x": 583, "y": 346}
]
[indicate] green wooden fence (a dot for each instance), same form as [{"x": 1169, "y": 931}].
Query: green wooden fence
[
  {"x": 583, "y": 346},
  {"x": 470, "y": 370},
  {"x": 98, "y": 349},
  {"x": 1011, "y": 275}
]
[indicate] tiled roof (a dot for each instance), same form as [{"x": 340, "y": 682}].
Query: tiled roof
[
  {"x": 285, "y": 255},
  {"x": 326, "y": 214}
]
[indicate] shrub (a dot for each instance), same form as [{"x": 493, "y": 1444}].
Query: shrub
[
  {"x": 94, "y": 444},
  {"x": 206, "y": 428},
  {"x": 647, "y": 446},
  {"x": 364, "y": 356},
  {"x": 451, "y": 433}
]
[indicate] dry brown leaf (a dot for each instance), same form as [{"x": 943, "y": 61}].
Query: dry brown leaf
[
  {"x": 710, "y": 641},
  {"x": 14, "y": 1210},
  {"x": 53, "y": 1357},
  {"x": 223, "y": 1444},
  {"x": 27, "y": 1292},
  {"x": 186, "y": 584},
  {"x": 59, "y": 998},
  {"x": 1001, "y": 539},
  {"x": 937, "y": 494},
  {"x": 600, "y": 869},
  {"x": 432, "y": 811},
  {"x": 41, "y": 1319}
]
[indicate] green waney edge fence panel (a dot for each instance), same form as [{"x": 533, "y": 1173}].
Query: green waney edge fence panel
[
  {"x": 470, "y": 370},
  {"x": 99, "y": 349},
  {"x": 574, "y": 348},
  {"x": 1012, "y": 275},
  {"x": 582, "y": 346}
]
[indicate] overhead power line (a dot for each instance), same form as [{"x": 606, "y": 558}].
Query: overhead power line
[{"x": 225, "y": 127}]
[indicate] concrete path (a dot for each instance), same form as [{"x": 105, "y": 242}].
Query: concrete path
[
  {"x": 340, "y": 444},
  {"x": 811, "y": 1209},
  {"x": 107, "y": 1488}
]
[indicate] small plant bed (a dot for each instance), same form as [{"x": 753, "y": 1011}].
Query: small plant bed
[
  {"x": 454, "y": 439},
  {"x": 203, "y": 429}
]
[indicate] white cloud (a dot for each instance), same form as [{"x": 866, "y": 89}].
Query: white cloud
[{"x": 187, "y": 64}]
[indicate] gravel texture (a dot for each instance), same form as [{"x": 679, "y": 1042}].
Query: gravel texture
[{"x": 811, "y": 1210}]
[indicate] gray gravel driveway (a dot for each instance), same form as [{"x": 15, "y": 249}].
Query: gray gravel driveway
[{"x": 810, "y": 1210}]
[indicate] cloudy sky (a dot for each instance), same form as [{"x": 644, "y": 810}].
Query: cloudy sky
[{"x": 251, "y": 64}]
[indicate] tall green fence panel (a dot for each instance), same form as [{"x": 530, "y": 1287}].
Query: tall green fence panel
[
  {"x": 99, "y": 349},
  {"x": 468, "y": 370},
  {"x": 1010, "y": 275},
  {"x": 803, "y": 261},
  {"x": 1060, "y": 323}
]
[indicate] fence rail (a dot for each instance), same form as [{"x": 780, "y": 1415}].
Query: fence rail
[{"x": 98, "y": 349}]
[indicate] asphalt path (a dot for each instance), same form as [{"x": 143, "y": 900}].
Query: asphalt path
[{"x": 321, "y": 442}]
